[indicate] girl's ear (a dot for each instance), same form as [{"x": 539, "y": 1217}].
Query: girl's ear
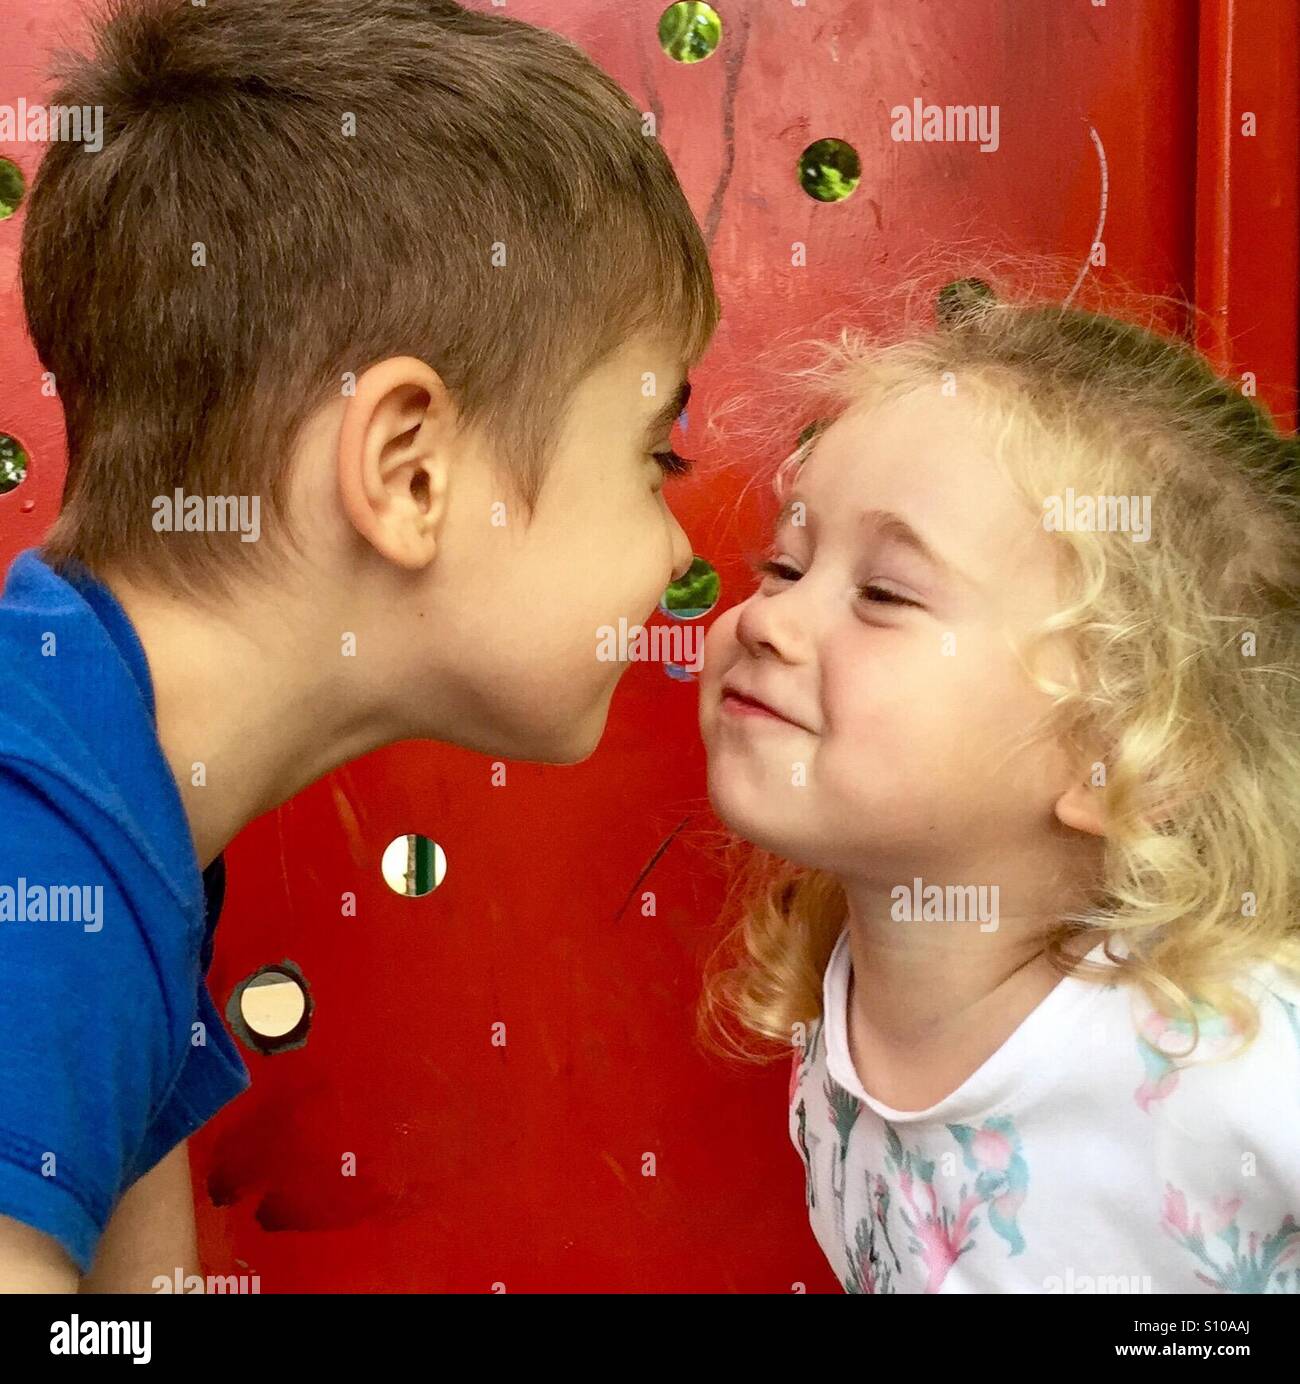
[{"x": 1082, "y": 806}]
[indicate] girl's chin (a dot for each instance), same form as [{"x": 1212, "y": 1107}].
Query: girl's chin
[{"x": 754, "y": 827}]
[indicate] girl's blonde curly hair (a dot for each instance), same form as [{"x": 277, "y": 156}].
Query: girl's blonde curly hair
[{"x": 1186, "y": 649}]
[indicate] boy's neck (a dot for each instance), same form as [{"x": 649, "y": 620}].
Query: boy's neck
[{"x": 248, "y": 713}]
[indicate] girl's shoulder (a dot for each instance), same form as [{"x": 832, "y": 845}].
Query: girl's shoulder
[
  {"x": 1270, "y": 993},
  {"x": 1277, "y": 993},
  {"x": 1224, "y": 1128},
  {"x": 1216, "y": 1062}
]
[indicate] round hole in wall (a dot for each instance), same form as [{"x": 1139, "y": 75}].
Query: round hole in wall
[
  {"x": 829, "y": 170},
  {"x": 271, "y": 1010},
  {"x": 694, "y": 594},
  {"x": 13, "y": 463},
  {"x": 413, "y": 865},
  {"x": 960, "y": 296},
  {"x": 690, "y": 32},
  {"x": 12, "y": 187}
]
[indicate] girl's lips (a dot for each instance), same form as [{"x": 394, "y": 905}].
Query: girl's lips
[{"x": 736, "y": 704}]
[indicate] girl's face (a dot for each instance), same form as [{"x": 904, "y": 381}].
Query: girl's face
[{"x": 906, "y": 563}]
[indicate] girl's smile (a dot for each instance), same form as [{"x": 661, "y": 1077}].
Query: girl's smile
[{"x": 737, "y": 703}]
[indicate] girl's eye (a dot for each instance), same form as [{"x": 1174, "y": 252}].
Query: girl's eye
[
  {"x": 673, "y": 465},
  {"x": 770, "y": 567},
  {"x": 882, "y": 595},
  {"x": 876, "y": 595}
]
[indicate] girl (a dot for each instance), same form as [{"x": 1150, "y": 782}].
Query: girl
[{"x": 1015, "y": 707}]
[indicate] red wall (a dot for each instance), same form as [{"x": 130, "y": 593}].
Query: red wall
[{"x": 523, "y": 1166}]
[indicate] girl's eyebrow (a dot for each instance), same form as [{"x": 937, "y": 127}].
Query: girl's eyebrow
[
  {"x": 890, "y": 525},
  {"x": 893, "y": 526}
]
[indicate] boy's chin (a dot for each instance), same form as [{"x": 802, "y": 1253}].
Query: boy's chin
[{"x": 568, "y": 744}]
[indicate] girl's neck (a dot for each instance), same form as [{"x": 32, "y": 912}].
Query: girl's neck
[{"x": 933, "y": 997}]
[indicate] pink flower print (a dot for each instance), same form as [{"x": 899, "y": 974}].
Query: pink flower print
[
  {"x": 1175, "y": 1215},
  {"x": 1224, "y": 1213},
  {"x": 1163, "y": 1044},
  {"x": 943, "y": 1237},
  {"x": 880, "y": 1194},
  {"x": 1008, "y": 1205},
  {"x": 1261, "y": 1266},
  {"x": 940, "y": 1233},
  {"x": 1175, "y": 1211},
  {"x": 992, "y": 1151},
  {"x": 1151, "y": 1091}
]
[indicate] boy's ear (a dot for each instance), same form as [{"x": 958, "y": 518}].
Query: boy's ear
[{"x": 393, "y": 459}]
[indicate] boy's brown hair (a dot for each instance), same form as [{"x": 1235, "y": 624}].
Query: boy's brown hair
[{"x": 230, "y": 124}]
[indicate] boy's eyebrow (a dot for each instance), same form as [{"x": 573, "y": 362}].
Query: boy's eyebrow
[{"x": 672, "y": 410}]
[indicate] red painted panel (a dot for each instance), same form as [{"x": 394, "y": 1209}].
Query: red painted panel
[
  {"x": 479, "y": 1165},
  {"x": 1248, "y": 194}
]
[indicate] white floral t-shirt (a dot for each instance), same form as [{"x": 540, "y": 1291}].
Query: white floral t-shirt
[{"x": 1079, "y": 1158}]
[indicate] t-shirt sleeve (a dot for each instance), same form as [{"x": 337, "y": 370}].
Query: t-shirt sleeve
[{"x": 83, "y": 1026}]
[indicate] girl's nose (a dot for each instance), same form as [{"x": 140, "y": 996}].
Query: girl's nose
[{"x": 775, "y": 625}]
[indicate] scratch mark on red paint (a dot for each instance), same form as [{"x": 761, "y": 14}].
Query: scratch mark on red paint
[
  {"x": 647, "y": 78},
  {"x": 735, "y": 62},
  {"x": 348, "y": 820},
  {"x": 1101, "y": 214},
  {"x": 650, "y": 864},
  {"x": 613, "y": 1163}
]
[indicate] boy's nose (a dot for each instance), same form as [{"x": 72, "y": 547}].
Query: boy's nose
[{"x": 683, "y": 554}]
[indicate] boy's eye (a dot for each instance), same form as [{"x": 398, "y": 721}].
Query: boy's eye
[{"x": 671, "y": 464}]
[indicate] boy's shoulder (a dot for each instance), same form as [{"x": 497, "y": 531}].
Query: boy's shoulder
[
  {"x": 84, "y": 782},
  {"x": 66, "y": 646},
  {"x": 77, "y": 721},
  {"x": 104, "y": 919}
]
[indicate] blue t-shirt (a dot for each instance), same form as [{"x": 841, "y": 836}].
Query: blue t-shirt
[{"x": 111, "y": 1050}]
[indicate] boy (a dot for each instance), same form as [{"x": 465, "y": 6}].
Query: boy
[{"x": 370, "y": 322}]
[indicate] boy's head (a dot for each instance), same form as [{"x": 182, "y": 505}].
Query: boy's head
[{"x": 392, "y": 269}]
